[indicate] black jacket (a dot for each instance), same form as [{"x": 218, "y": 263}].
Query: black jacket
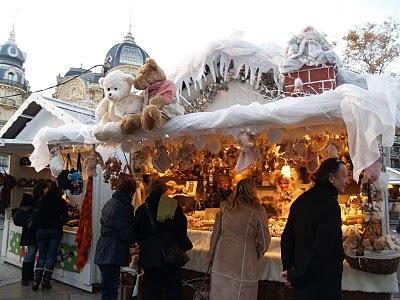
[
  {"x": 116, "y": 233},
  {"x": 169, "y": 231},
  {"x": 28, "y": 237},
  {"x": 51, "y": 213},
  {"x": 311, "y": 245}
]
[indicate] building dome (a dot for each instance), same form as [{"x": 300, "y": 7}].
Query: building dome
[
  {"x": 10, "y": 54},
  {"x": 12, "y": 60},
  {"x": 125, "y": 53}
]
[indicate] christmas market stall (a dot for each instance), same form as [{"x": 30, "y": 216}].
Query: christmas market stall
[
  {"x": 272, "y": 115},
  {"x": 85, "y": 192}
]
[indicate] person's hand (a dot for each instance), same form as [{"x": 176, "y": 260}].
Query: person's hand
[{"x": 284, "y": 276}]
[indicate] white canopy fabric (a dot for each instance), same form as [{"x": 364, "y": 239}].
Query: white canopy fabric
[{"x": 366, "y": 113}]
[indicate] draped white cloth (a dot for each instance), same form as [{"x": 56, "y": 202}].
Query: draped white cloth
[{"x": 270, "y": 267}]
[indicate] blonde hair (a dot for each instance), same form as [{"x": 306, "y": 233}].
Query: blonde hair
[{"x": 244, "y": 193}]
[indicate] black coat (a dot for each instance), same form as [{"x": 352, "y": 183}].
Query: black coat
[
  {"x": 169, "y": 231},
  {"x": 116, "y": 232},
  {"x": 51, "y": 213},
  {"x": 311, "y": 245},
  {"x": 28, "y": 237}
]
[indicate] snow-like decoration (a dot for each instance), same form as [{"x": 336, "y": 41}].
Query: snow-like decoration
[
  {"x": 225, "y": 58},
  {"x": 78, "y": 133},
  {"x": 367, "y": 114},
  {"x": 308, "y": 48}
]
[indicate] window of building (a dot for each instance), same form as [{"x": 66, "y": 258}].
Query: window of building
[
  {"x": 4, "y": 163},
  {"x": 11, "y": 76},
  {"x": 131, "y": 56}
]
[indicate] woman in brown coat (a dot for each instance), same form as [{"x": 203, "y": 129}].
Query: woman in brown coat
[{"x": 240, "y": 238}]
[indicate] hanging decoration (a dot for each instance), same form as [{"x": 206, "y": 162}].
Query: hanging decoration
[
  {"x": 207, "y": 96},
  {"x": 84, "y": 233}
]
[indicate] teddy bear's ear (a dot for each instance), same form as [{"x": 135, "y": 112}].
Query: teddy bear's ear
[
  {"x": 101, "y": 81},
  {"x": 151, "y": 63},
  {"x": 129, "y": 78}
]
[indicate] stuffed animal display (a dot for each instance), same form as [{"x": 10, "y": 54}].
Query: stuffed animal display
[
  {"x": 159, "y": 98},
  {"x": 117, "y": 105}
]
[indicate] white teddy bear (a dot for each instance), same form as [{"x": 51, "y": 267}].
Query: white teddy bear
[{"x": 117, "y": 103}]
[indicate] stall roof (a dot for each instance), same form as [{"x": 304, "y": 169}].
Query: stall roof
[{"x": 66, "y": 112}]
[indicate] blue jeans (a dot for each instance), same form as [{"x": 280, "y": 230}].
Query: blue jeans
[
  {"x": 48, "y": 241},
  {"x": 109, "y": 281},
  {"x": 30, "y": 255}
]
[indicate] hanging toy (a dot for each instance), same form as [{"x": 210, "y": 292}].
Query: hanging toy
[
  {"x": 92, "y": 161},
  {"x": 249, "y": 153}
]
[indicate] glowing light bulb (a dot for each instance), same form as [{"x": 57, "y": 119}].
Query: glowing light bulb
[{"x": 286, "y": 171}]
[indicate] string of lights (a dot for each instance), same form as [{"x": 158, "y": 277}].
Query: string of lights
[{"x": 51, "y": 87}]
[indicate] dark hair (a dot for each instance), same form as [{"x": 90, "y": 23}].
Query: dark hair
[
  {"x": 39, "y": 188},
  {"x": 54, "y": 190},
  {"x": 127, "y": 185},
  {"x": 157, "y": 185},
  {"x": 328, "y": 166},
  {"x": 27, "y": 200},
  {"x": 146, "y": 179}
]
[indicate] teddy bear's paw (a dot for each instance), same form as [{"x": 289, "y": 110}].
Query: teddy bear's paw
[
  {"x": 113, "y": 130},
  {"x": 151, "y": 118},
  {"x": 99, "y": 134},
  {"x": 131, "y": 123}
]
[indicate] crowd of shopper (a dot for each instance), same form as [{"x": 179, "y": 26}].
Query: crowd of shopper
[
  {"x": 311, "y": 244},
  {"x": 42, "y": 215}
]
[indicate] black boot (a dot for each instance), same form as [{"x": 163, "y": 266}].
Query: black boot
[
  {"x": 25, "y": 274},
  {"x": 46, "y": 279},
  {"x": 31, "y": 268},
  {"x": 37, "y": 278}
]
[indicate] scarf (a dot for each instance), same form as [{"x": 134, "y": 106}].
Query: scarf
[
  {"x": 165, "y": 88},
  {"x": 166, "y": 208}
]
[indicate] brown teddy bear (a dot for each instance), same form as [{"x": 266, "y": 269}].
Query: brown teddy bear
[{"x": 158, "y": 94}]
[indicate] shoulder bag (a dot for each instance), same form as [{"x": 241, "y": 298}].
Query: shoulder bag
[{"x": 174, "y": 255}]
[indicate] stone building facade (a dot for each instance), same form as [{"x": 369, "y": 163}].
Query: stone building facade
[
  {"x": 84, "y": 90},
  {"x": 14, "y": 88}
]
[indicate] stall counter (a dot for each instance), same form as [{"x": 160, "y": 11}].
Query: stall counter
[
  {"x": 271, "y": 267},
  {"x": 65, "y": 270}
]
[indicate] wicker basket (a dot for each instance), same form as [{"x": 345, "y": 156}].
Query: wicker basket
[{"x": 383, "y": 263}]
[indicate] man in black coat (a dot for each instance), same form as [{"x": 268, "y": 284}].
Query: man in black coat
[
  {"x": 311, "y": 244},
  {"x": 116, "y": 235}
]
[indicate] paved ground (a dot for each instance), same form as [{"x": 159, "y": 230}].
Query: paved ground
[{"x": 59, "y": 291}]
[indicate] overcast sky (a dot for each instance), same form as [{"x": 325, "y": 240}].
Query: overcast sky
[{"x": 57, "y": 35}]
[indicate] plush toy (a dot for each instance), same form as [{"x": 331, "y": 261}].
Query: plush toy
[
  {"x": 91, "y": 163},
  {"x": 352, "y": 240},
  {"x": 117, "y": 105},
  {"x": 159, "y": 94},
  {"x": 249, "y": 153}
]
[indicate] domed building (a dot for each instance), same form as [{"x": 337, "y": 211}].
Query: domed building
[
  {"x": 85, "y": 89},
  {"x": 126, "y": 56},
  {"x": 14, "y": 88}
]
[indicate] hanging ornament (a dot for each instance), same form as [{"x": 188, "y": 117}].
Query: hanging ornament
[
  {"x": 199, "y": 142},
  {"x": 126, "y": 146},
  {"x": 214, "y": 145},
  {"x": 275, "y": 135}
]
